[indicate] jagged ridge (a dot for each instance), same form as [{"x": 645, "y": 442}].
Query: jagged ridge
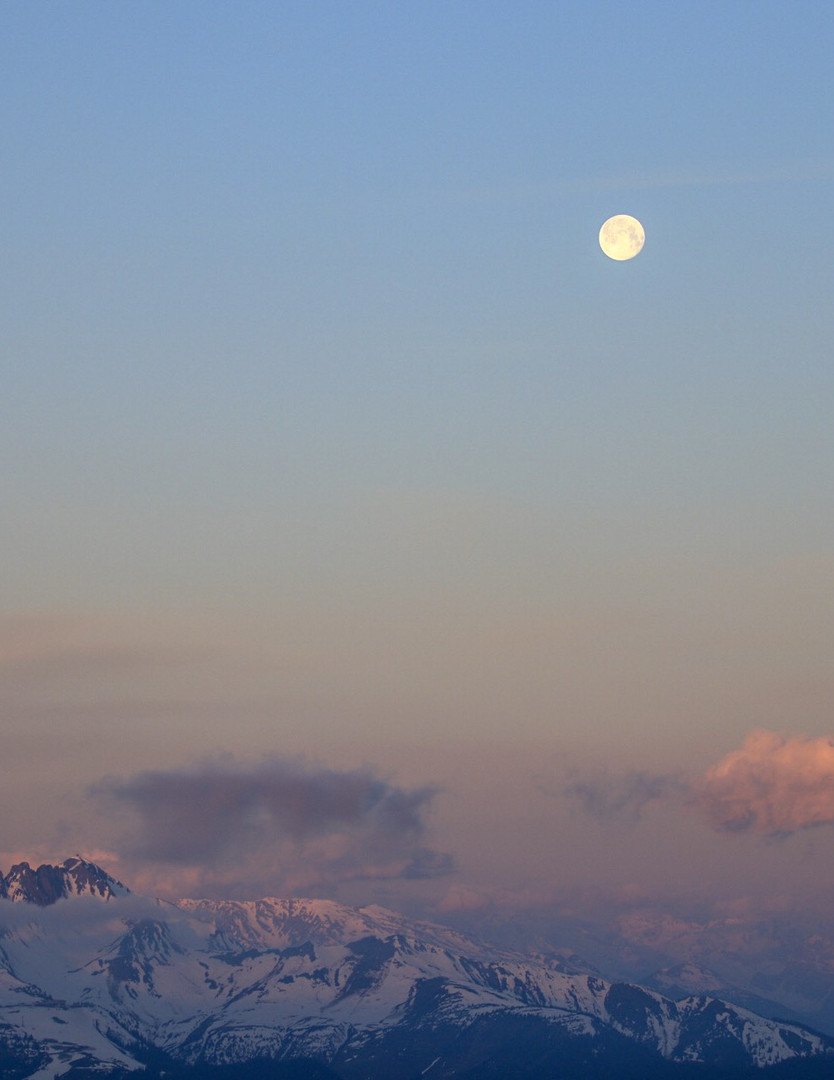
[{"x": 47, "y": 884}]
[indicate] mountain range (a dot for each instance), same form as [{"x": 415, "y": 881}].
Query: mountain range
[{"x": 98, "y": 981}]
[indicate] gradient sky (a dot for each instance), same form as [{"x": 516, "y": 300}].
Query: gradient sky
[{"x": 341, "y": 469}]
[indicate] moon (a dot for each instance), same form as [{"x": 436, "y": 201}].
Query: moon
[{"x": 622, "y": 237}]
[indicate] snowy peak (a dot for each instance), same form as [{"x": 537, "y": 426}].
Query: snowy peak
[
  {"x": 276, "y": 923},
  {"x": 48, "y": 884}
]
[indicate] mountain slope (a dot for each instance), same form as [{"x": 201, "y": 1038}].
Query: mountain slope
[{"x": 363, "y": 992}]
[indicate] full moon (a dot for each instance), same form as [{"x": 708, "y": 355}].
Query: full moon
[{"x": 622, "y": 237}]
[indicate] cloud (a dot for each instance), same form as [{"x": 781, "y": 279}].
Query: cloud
[
  {"x": 277, "y": 825},
  {"x": 609, "y": 796},
  {"x": 774, "y": 785}
]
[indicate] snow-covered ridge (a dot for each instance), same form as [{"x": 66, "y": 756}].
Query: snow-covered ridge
[{"x": 211, "y": 982}]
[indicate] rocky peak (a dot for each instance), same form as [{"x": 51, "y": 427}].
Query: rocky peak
[{"x": 47, "y": 884}]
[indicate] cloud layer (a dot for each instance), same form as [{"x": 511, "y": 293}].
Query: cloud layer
[
  {"x": 279, "y": 825},
  {"x": 774, "y": 785}
]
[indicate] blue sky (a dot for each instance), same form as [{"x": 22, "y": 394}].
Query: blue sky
[{"x": 330, "y": 435}]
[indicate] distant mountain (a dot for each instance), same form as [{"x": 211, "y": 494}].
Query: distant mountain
[
  {"x": 74, "y": 877},
  {"x": 778, "y": 964},
  {"x": 312, "y": 989},
  {"x": 684, "y": 980}
]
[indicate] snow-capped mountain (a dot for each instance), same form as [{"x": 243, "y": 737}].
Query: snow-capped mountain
[{"x": 363, "y": 992}]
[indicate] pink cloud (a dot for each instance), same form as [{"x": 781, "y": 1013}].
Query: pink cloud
[{"x": 774, "y": 785}]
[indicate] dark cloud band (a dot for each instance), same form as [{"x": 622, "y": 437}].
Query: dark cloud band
[{"x": 348, "y": 824}]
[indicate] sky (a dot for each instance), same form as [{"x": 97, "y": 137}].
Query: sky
[{"x": 366, "y": 531}]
